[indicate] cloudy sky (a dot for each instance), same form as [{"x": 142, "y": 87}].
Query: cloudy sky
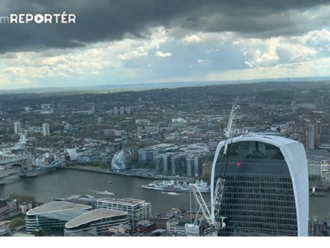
[{"x": 147, "y": 41}]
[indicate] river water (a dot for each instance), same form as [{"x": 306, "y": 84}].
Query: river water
[{"x": 64, "y": 183}]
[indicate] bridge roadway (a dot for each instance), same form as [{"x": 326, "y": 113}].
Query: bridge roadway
[
  {"x": 15, "y": 159},
  {"x": 38, "y": 169}
]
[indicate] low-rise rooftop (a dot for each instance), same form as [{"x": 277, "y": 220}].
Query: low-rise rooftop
[
  {"x": 318, "y": 155},
  {"x": 93, "y": 215},
  {"x": 64, "y": 216},
  {"x": 57, "y": 206},
  {"x": 124, "y": 201}
]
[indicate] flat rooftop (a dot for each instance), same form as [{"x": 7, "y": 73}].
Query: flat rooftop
[
  {"x": 64, "y": 216},
  {"x": 318, "y": 155},
  {"x": 75, "y": 197},
  {"x": 124, "y": 201},
  {"x": 57, "y": 206},
  {"x": 92, "y": 216},
  {"x": 159, "y": 146},
  {"x": 271, "y": 139}
]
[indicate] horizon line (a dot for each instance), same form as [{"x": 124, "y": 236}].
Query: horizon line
[{"x": 237, "y": 81}]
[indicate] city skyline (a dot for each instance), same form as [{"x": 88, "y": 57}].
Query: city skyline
[
  {"x": 149, "y": 42},
  {"x": 150, "y": 145}
]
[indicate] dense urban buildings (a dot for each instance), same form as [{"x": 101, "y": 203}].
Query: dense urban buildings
[{"x": 171, "y": 134}]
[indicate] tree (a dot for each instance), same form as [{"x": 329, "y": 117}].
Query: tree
[
  {"x": 17, "y": 222},
  {"x": 144, "y": 144},
  {"x": 206, "y": 176},
  {"x": 41, "y": 233},
  {"x": 22, "y": 198},
  {"x": 152, "y": 165},
  {"x": 104, "y": 165},
  {"x": 94, "y": 163}
]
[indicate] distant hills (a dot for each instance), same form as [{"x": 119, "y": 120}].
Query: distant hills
[{"x": 148, "y": 86}]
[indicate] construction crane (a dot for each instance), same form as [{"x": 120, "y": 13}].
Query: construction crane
[{"x": 210, "y": 217}]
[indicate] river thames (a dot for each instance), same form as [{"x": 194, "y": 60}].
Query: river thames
[{"x": 64, "y": 183}]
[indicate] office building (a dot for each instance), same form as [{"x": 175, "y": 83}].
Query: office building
[
  {"x": 136, "y": 209},
  {"x": 180, "y": 163},
  {"x": 52, "y": 217},
  {"x": 115, "y": 110},
  {"x": 128, "y": 110},
  {"x": 318, "y": 128},
  {"x": 46, "y": 106},
  {"x": 97, "y": 221},
  {"x": 148, "y": 154},
  {"x": 311, "y": 137},
  {"x": 319, "y": 165},
  {"x": 266, "y": 190},
  {"x": 45, "y": 129},
  {"x": 122, "y": 110},
  {"x": 22, "y": 138},
  {"x": 124, "y": 140},
  {"x": 17, "y": 128}
]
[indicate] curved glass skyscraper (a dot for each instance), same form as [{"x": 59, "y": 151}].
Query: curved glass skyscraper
[{"x": 266, "y": 190}]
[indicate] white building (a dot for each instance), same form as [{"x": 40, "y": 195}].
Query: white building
[
  {"x": 74, "y": 155},
  {"x": 46, "y": 106},
  {"x": 175, "y": 226},
  {"x": 115, "y": 110},
  {"x": 17, "y": 127},
  {"x": 122, "y": 110},
  {"x": 24, "y": 207},
  {"x": 142, "y": 121},
  {"x": 178, "y": 120},
  {"x": 319, "y": 165},
  {"x": 45, "y": 129},
  {"x": 136, "y": 209},
  {"x": 98, "y": 221},
  {"x": 266, "y": 191},
  {"x": 320, "y": 169},
  {"x": 22, "y": 138},
  {"x": 128, "y": 110}
]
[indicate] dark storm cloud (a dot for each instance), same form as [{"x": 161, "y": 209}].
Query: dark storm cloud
[{"x": 110, "y": 20}]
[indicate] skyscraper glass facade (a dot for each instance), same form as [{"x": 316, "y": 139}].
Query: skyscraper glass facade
[{"x": 260, "y": 194}]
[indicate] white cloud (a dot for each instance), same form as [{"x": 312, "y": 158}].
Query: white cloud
[
  {"x": 157, "y": 38},
  {"x": 203, "y": 38},
  {"x": 161, "y": 54},
  {"x": 317, "y": 68},
  {"x": 91, "y": 60},
  {"x": 203, "y": 61},
  {"x": 275, "y": 51},
  {"x": 305, "y": 55}
]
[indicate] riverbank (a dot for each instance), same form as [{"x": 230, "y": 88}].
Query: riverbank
[{"x": 143, "y": 173}]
